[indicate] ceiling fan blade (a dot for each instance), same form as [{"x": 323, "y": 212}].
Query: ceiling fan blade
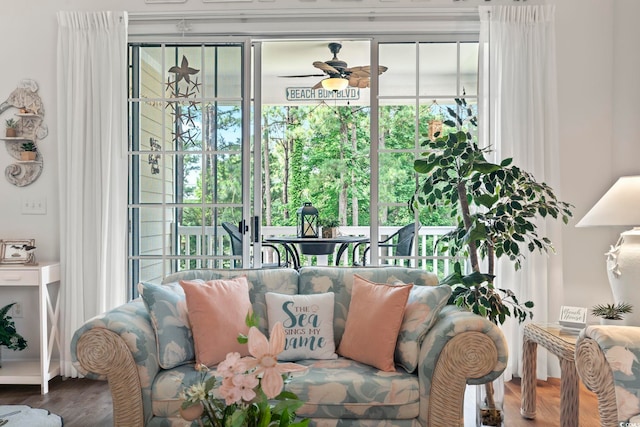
[
  {"x": 325, "y": 67},
  {"x": 318, "y": 85},
  {"x": 359, "y": 82},
  {"x": 361, "y": 70},
  {"x": 365, "y": 70},
  {"x": 304, "y": 75},
  {"x": 359, "y": 73}
]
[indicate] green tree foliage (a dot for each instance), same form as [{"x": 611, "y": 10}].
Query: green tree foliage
[{"x": 316, "y": 153}]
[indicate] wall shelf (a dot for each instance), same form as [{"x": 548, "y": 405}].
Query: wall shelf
[
  {"x": 31, "y": 128},
  {"x": 21, "y": 172},
  {"x": 15, "y": 138}
]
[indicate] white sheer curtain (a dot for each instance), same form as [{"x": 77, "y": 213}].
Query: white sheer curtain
[
  {"x": 519, "y": 113},
  {"x": 92, "y": 135}
]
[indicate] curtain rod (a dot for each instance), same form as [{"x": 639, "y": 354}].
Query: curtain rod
[{"x": 413, "y": 13}]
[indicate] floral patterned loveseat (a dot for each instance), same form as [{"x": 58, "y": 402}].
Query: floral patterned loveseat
[
  {"x": 460, "y": 348},
  {"x": 608, "y": 362}
]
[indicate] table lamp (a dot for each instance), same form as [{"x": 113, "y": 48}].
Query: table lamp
[{"x": 620, "y": 206}]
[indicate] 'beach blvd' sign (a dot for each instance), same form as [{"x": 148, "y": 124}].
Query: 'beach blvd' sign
[{"x": 309, "y": 94}]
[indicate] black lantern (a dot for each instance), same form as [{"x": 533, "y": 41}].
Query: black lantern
[{"x": 307, "y": 221}]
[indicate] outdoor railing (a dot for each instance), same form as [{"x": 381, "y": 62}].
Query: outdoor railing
[{"x": 215, "y": 243}]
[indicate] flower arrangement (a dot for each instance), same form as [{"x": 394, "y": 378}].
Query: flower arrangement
[
  {"x": 9, "y": 337},
  {"x": 249, "y": 387}
]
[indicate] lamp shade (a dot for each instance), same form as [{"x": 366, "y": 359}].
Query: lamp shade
[
  {"x": 335, "y": 83},
  {"x": 619, "y": 206}
]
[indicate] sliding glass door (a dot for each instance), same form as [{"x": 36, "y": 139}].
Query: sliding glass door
[
  {"x": 188, "y": 114},
  {"x": 242, "y": 133}
]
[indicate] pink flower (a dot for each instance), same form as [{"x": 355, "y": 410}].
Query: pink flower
[
  {"x": 238, "y": 387},
  {"x": 229, "y": 391},
  {"x": 265, "y": 359},
  {"x": 245, "y": 384},
  {"x": 230, "y": 366}
]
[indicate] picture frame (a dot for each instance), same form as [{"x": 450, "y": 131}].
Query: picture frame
[
  {"x": 16, "y": 251},
  {"x": 573, "y": 317}
]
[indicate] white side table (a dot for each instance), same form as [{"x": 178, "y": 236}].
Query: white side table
[{"x": 44, "y": 276}]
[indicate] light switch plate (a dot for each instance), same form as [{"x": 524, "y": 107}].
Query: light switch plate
[{"x": 34, "y": 206}]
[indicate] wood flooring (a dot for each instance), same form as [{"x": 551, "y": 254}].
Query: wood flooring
[{"x": 87, "y": 403}]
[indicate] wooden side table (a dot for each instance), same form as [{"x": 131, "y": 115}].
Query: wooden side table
[{"x": 563, "y": 345}]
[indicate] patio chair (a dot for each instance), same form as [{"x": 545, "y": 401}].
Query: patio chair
[
  {"x": 401, "y": 242},
  {"x": 236, "y": 244}
]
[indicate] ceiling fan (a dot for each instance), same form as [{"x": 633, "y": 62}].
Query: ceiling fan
[{"x": 335, "y": 68}]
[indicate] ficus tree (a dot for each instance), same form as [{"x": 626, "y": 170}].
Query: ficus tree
[{"x": 496, "y": 207}]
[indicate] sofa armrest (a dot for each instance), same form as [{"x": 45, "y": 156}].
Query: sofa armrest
[
  {"x": 462, "y": 348},
  {"x": 606, "y": 360},
  {"x": 120, "y": 346}
]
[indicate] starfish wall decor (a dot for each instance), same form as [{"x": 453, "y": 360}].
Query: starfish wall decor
[{"x": 185, "y": 130}]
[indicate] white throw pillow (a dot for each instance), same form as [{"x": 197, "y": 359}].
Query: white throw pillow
[{"x": 308, "y": 324}]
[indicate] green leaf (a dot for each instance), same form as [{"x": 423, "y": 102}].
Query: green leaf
[
  {"x": 486, "y": 200},
  {"x": 476, "y": 279},
  {"x": 485, "y": 167},
  {"x": 238, "y": 418},
  {"x": 252, "y": 319},
  {"x": 506, "y": 162},
  {"x": 482, "y": 310},
  {"x": 452, "y": 279},
  {"x": 422, "y": 166}
]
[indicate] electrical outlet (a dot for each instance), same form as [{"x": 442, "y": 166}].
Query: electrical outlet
[{"x": 16, "y": 310}]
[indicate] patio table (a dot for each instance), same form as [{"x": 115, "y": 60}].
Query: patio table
[{"x": 315, "y": 245}]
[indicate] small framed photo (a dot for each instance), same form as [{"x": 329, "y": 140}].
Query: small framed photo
[{"x": 18, "y": 251}]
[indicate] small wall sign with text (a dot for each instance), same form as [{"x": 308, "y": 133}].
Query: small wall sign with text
[
  {"x": 573, "y": 317},
  {"x": 310, "y": 94}
]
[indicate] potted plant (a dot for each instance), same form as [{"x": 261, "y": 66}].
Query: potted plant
[
  {"x": 611, "y": 314},
  {"x": 495, "y": 207},
  {"x": 8, "y": 335},
  {"x": 29, "y": 151},
  {"x": 12, "y": 128},
  {"x": 329, "y": 226}
]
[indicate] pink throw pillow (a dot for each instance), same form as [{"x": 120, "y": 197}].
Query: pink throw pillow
[
  {"x": 373, "y": 322},
  {"x": 217, "y": 311}
]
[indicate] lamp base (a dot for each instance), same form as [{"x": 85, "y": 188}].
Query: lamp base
[{"x": 623, "y": 269}]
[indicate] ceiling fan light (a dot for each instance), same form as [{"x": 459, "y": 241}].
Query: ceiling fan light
[{"x": 335, "y": 84}]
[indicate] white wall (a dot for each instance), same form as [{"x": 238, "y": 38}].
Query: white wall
[
  {"x": 585, "y": 44},
  {"x": 598, "y": 99}
]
